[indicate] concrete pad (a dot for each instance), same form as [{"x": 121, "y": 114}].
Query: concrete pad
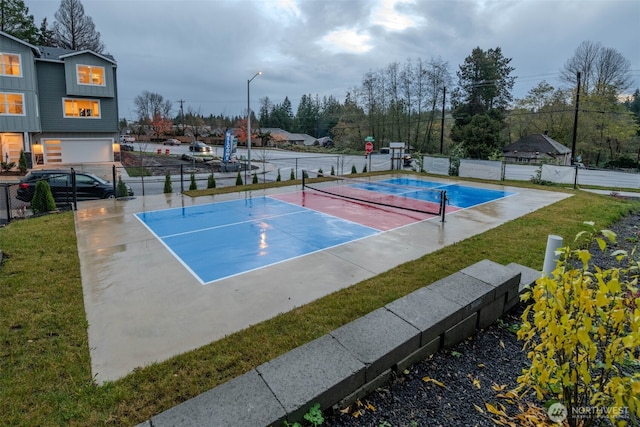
[
  {"x": 321, "y": 371},
  {"x": 143, "y": 306},
  {"x": 243, "y": 401},
  {"x": 378, "y": 340}
]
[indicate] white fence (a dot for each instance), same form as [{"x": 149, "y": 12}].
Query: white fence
[{"x": 499, "y": 171}]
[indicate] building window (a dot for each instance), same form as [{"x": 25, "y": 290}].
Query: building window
[
  {"x": 10, "y": 65},
  {"x": 11, "y": 104},
  {"x": 83, "y": 108},
  {"x": 90, "y": 75}
]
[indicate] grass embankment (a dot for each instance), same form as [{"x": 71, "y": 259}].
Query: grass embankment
[{"x": 45, "y": 374}]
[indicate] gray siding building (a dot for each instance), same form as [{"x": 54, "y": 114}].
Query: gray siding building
[{"x": 58, "y": 106}]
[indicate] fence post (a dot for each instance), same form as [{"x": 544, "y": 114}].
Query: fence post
[
  {"x": 7, "y": 201},
  {"x": 115, "y": 187},
  {"x": 181, "y": 180}
]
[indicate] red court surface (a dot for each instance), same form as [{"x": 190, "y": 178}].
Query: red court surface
[{"x": 381, "y": 218}]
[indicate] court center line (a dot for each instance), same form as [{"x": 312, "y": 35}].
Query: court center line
[{"x": 231, "y": 224}]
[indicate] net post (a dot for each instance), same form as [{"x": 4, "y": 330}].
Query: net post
[
  {"x": 443, "y": 204},
  {"x": 303, "y": 179}
]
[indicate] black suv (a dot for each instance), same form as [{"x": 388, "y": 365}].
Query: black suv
[{"x": 88, "y": 186}]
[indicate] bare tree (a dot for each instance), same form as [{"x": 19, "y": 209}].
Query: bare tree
[
  {"x": 149, "y": 105},
  {"x": 73, "y": 30},
  {"x": 602, "y": 69}
]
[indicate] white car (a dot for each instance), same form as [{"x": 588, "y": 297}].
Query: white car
[{"x": 127, "y": 138}]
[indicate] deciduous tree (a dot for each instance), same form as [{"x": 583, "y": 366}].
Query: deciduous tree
[{"x": 603, "y": 70}]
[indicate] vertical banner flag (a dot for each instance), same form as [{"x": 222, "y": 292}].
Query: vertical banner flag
[{"x": 226, "y": 155}]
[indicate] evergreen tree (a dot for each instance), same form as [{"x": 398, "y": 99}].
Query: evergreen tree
[
  {"x": 239, "y": 179},
  {"x": 255, "y": 179},
  {"x": 42, "y": 200},
  {"x": 211, "y": 181},
  {"x": 194, "y": 184},
  {"x": 480, "y": 102},
  {"x": 121, "y": 188},
  {"x": 46, "y": 36},
  {"x": 16, "y": 21},
  {"x": 22, "y": 162},
  {"x": 279, "y": 178},
  {"x": 292, "y": 176},
  {"x": 168, "y": 188},
  {"x": 73, "y": 30}
]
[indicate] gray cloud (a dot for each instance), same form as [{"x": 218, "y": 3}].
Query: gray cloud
[{"x": 203, "y": 51}]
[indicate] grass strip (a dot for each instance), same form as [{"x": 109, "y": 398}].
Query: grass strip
[{"x": 45, "y": 374}]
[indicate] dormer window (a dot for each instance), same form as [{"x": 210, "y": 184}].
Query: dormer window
[
  {"x": 90, "y": 75},
  {"x": 10, "y": 64}
]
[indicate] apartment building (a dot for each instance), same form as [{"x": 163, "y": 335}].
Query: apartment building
[{"x": 58, "y": 106}]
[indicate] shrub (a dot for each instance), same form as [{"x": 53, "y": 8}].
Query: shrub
[
  {"x": 194, "y": 184},
  {"x": 22, "y": 162},
  {"x": 292, "y": 176},
  {"x": 279, "y": 178},
  {"x": 353, "y": 169},
  {"x": 254, "y": 180},
  {"x": 239, "y": 179},
  {"x": 168, "y": 188},
  {"x": 121, "y": 188},
  {"x": 42, "y": 200},
  {"x": 333, "y": 171},
  {"x": 581, "y": 329},
  {"x": 364, "y": 169},
  {"x": 7, "y": 166},
  {"x": 211, "y": 181}
]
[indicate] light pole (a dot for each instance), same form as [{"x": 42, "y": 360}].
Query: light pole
[{"x": 249, "y": 125}]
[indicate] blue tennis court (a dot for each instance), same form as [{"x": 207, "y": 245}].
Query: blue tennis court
[{"x": 219, "y": 240}]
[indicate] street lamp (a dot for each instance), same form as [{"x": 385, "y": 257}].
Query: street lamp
[{"x": 249, "y": 125}]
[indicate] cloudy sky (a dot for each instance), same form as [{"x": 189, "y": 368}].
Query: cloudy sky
[{"x": 204, "y": 51}]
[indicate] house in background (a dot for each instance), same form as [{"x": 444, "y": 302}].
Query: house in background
[
  {"x": 281, "y": 136},
  {"x": 537, "y": 148},
  {"x": 59, "y": 106}
]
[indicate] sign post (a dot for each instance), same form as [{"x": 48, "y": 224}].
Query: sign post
[{"x": 368, "y": 149}]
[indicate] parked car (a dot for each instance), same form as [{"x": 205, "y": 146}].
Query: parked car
[
  {"x": 88, "y": 186},
  {"x": 200, "y": 146},
  {"x": 127, "y": 138},
  {"x": 171, "y": 142},
  {"x": 126, "y": 147}
]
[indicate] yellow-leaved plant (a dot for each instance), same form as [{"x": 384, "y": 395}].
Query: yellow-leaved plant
[{"x": 581, "y": 328}]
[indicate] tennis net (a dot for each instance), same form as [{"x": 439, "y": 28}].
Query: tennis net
[{"x": 378, "y": 192}]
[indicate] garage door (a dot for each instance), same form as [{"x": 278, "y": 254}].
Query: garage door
[{"x": 78, "y": 151}]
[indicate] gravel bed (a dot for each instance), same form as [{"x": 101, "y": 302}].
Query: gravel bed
[{"x": 453, "y": 385}]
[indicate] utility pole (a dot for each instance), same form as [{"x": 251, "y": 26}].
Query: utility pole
[
  {"x": 444, "y": 96},
  {"x": 575, "y": 124},
  {"x": 182, "y": 115}
]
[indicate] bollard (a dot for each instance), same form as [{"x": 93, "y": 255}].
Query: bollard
[{"x": 550, "y": 258}]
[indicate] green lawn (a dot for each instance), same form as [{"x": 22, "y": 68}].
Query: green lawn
[{"x": 45, "y": 374}]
